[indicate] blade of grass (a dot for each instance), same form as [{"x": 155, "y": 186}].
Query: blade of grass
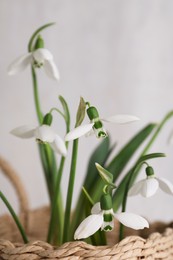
[{"x": 15, "y": 217}]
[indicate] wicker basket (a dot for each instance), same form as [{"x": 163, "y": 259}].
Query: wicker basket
[{"x": 145, "y": 244}]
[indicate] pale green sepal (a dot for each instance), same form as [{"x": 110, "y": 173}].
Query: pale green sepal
[
  {"x": 66, "y": 111},
  {"x": 80, "y": 112},
  {"x": 105, "y": 175}
]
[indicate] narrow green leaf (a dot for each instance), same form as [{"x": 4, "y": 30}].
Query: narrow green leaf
[
  {"x": 15, "y": 217},
  {"x": 100, "y": 156},
  {"x": 121, "y": 159}
]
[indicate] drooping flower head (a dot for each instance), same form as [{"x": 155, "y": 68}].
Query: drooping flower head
[
  {"x": 43, "y": 134},
  {"x": 96, "y": 124},
  {"x": 148, "y": 187},
  {"x": 38, "y": 58},
  {"x": 102, "y": 214}
]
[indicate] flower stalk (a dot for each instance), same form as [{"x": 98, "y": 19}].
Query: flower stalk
[{"x": 70, "y": 192}]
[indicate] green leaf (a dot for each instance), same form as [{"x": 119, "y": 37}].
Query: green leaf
[
  {"x": 100, "y": 156},
  {"x": 15, "y": 217},
  {"x": 131, "y": 175},
  {"x": 80, "y": 112},
  {"x": 30, "y": 44},
  {"x": 121, "y": 159}
]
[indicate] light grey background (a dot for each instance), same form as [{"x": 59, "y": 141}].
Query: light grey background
[{"x": 116, "y": 54}]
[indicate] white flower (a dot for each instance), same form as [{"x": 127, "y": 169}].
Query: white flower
[
  {"x": 104, "y": 219},
  {"x": 96, "y": 126},
  {"x": 39, "y": 58},
  {"x": 43, "y": 134},
  {"x": 148, "y": 186}
]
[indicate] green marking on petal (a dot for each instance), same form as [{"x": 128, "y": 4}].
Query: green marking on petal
[
  {"x": 108, "y": 228},
  {"x": 102, "y": 134},
  {"x": 98, "y": 124},
  {"x": 107, "y": 217}
]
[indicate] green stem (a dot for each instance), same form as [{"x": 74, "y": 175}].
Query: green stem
[
  {"x": 47, "y": 154},
  {"x": 70, "y": 192},
  {"x": 57, "y": 110},
  {"x": 57, "y": 213},
  {"x": 36, "y": 96},
  {"x": 16, "y": 219},
  {"x": 50, "y": 175},
  {"x": 59, "y": 219},
  {"x": 159, "y": 128},
  {"x": 124, "y": 203}
]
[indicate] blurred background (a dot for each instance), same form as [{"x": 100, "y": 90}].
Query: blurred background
[{"x": 117, "y": 54}]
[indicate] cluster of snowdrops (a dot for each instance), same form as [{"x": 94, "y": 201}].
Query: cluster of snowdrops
[{"x": 99, "y": 193}]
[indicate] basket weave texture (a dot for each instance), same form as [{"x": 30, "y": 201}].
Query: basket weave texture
[{"x": 145, "y": 244}]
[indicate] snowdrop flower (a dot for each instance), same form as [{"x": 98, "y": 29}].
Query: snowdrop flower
[
  {"x": 148, "y": 186},
  {"x": 40, "y": 57},
  {"x": 96, "y": 125},
  {"x": 103, "y": 217},
  {"x": 42, "y": 134}
]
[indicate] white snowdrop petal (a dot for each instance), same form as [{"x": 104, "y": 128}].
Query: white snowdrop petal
[
  {"x": 24, "y": 131},
  {"x": 90, "y": 133},
  {"x": 42, "y": 54},
  {"x": 19, "y": 64},
  {"x": 45, "y": 133},
  {"x": 58, "y": 146},
  {"x": 165, "y": 185},
  {"x": 149, "y": 187},
  {"x": 78, "y": 132},
  {"x": 136, "y": 188},
  {"x": 51, "y": 69},
  {"x": 89, "y": 226},
  {"x": 96, "y": 209},
  {"x": 121, "y": 119},
  {"x": 132, "y": 220}
]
